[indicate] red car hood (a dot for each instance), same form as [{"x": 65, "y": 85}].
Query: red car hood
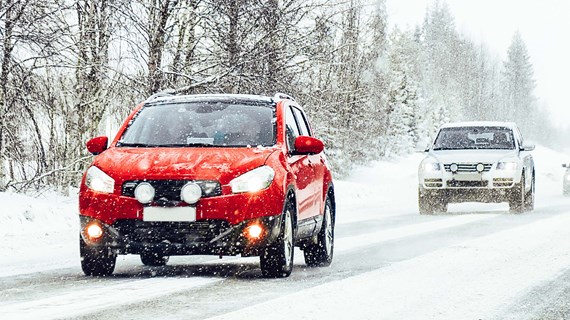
[{"x": 222, "y": 164}]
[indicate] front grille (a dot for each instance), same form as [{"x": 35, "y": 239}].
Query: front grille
[
  {"x": 467, "y": 184},
  {"x": 167, "y": 192},
  {"x": 172, "y": 232},
  {"x": 468, "y": 167}
]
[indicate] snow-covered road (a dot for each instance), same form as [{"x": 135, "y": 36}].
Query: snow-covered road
[{"x": 476, "y": 262}]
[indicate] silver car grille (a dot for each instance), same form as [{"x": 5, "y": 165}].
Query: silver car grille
[{"x": 468, "y": 167}]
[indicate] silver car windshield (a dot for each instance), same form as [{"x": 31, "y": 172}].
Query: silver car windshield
[
  {"x": 459, "y": 138},
  {"x": 206, "y": 124}
]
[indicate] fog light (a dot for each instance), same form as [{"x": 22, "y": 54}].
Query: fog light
[
  {"x": 453, "y": 167},
  {"x": 254, "y": 232},
  {"x": 480, "y": 167},
  {"x": 94, "y": 231},
  {"x": 191, "y": 193},
  {"x": 144, "y": 192}
]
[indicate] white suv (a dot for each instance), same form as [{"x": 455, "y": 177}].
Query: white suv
[{"x": 477, "y": 161}]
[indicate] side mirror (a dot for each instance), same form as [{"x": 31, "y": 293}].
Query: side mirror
[
  {"x": 527, "y": 147},
  {"x": 97, "y": 145},
  {"x": 308, "y": 145}
]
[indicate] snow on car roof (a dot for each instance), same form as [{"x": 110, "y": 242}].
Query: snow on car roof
[
  {"x": 480, "y": 124},
  {"x": 208, "y": 97}
]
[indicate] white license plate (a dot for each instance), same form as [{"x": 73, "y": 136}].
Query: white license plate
[{"x": 175, "y": 214}]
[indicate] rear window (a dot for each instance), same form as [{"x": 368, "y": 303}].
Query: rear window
[
  {"x": 201, "y": 124},
  {"x": 474, "y": 138}
]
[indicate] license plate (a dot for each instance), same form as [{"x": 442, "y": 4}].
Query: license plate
[{"x": 176, "y": 214}]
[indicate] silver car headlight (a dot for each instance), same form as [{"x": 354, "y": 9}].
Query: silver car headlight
[
  {"x": 98, "y": 180},
  {"x": 253, "y": 181},
  {"x": 507, "y": 165},
  {"x": 431, "y": 167}
]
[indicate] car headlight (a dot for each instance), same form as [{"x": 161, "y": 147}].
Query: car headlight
[
  {"x": 506, "y": 166},
  {"x": 98, "y": 180},
  {"x": 431, "y": 166},
  {"x": 253, "y": 181}
]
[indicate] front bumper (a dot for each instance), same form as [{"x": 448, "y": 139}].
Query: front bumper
[
  {"x": 492, "y": 179},
  {"x": 457, "y": 195},
  {"x": 207, "y": 237},
  {"x": 490, "y": 186},
  {"x": 233, "y": 208}
]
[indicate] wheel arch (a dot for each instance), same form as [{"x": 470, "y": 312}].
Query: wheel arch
[
  {"x": 291, "y": 199},
  {"x": 331, "y": 195}
]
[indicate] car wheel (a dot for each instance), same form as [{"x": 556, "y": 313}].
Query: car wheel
[
  {"x": 430, "y": 203},
  {"x": 529, "y": 197},
  {"x": 320, "y": 253},
  {"x": 565, "y": 188},
  {"x": 96, "y": 261},
  {"x": 276, "y": 260},
  {"x": 425, "y": 203},
  {"x": 440, "y": 205},
  {"x": 517, "y": 197},
  {"x": 153, "y": 259}
]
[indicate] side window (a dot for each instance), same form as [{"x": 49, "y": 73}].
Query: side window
[
  {"x": 292, "y": 131},
  {"x": 302, "y": 121}
]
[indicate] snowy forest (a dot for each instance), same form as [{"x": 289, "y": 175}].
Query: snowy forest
[{"x": 74, "y": 69}]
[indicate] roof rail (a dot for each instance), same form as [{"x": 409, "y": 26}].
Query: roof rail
[
  {"x": 163, "y": 93},
  {"x": 282, "y": 96}
]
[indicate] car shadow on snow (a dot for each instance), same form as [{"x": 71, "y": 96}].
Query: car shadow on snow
[
  {"x": 467, "y": 208},
  {"x": 234, "y": 269}
]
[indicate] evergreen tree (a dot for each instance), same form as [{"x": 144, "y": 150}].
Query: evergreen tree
[
  {"x": 440, "y": 60},
  {"x": 518, "y": 86},
  {"x": 402, "y": 100}
]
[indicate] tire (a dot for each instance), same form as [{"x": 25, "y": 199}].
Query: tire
[
  {"x": 320, "y": 254},
  {"x": 96, "y": 261},
  {"x": 440, "y": 205},
  {"x": 431, "y": 203},
  {"x": 424, "y": 203},
  {"x": 276, "y": 260},
  {"x": 517, "y": 197},
  {"x": 529, "y": 197},
  {"x": 153, "y": 259}
]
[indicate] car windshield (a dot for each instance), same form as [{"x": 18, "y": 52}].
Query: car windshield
[
  {"x": 202, "y": 124},
  {"x": 458, "y": 138}
]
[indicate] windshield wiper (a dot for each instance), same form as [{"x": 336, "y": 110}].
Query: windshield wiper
[
  {"x": 135, "y": 144},
  {"x": 180, "y": 145},
  {"x": 166, "y": 145}
]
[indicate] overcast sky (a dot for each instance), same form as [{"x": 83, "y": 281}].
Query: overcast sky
[{"x": 544, "y": 26}]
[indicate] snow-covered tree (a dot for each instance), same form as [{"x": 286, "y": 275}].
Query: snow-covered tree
[
  {"x": 402, "y": 95},
  {"x": 518, "y": 85},
  {"x": 441, "y": 44}
]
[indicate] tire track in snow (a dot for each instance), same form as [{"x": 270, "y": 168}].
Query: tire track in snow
[
  {"x": 474, "y": 279},
  {"x": 81, "y": 302},
  {"x": 349, "y": 243}
]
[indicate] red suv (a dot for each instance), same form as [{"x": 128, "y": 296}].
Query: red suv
[{"x": 208, "y": 175}]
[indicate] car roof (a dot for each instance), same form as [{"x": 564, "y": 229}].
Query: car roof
[{"x": 505, "y": 124}]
